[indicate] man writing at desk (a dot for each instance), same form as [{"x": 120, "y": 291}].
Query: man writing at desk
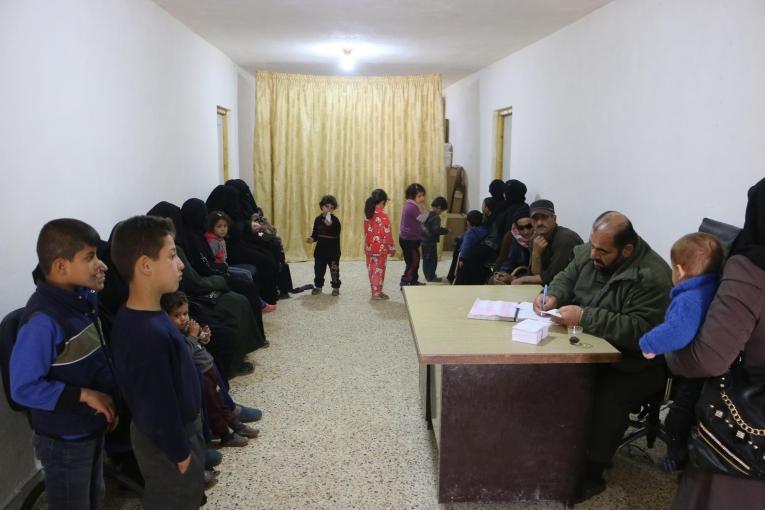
[{"x": 617, "y": 288}]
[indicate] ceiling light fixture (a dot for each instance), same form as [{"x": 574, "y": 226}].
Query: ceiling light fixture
[{"x": 346, "y": 60}]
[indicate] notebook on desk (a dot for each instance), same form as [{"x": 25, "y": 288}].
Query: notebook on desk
[{"x": 486, "y": 309}]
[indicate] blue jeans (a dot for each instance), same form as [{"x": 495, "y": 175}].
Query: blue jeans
[{"x": 74, "y": 471}]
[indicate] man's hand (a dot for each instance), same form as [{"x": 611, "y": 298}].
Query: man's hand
[
  {"x": 309, "y": 240},
  {"x": 100, "y": 402},
  {"x": 569, "y": 315},
  {"x": 540, "y": 243},
  {"x": 552, "y": 302},
  {"x": 183, "y": 465},
  {"x": 113, "y": 425},
  {"x": 649, "y": 355},
  {"x": 194, "y": 328}
]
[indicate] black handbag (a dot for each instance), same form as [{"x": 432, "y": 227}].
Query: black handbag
[{"x": 729, "y": 436}]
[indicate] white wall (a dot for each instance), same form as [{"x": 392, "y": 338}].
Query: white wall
[
  {"x": 651, "y": 107},
  {"x": 463, "y": 111},
  {"x": 108, "y": 107},
  {"x": 246, "y": 97}
]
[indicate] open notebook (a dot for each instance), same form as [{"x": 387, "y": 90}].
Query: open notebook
[{"x": 485, "y": 309}]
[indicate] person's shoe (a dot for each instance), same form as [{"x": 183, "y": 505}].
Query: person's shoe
[
  {"x": 212, "y": 458},
  {"x": 284, "y": 295},
  {"x": 589, "y": 489},
  {"x": 234, "y": 440},
  {"x": 268, "y": 308},
  {"x": 418, "y": 283},
  {"x": 248, "y": 414},
  {"x": 377, "y": 297},
  {"x": 302, "y": 288},
  {"x": 436, "y": 279},
  {"x": 335, "y": 292},
  {"x": 246, "y": 431},
  {"x": 316, "y": 291},
  {"x": 245, "y": 367},
  {"x": 211, "y": 478}
]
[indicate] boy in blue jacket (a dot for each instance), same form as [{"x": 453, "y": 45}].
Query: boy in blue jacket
[
  {"x": 154, "y": 369},
  {"x": 696, "y": 265},
  {"x": 59, "y": 369}
]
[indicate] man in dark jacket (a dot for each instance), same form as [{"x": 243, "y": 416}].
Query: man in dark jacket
[{"x": 617, "y": 288}]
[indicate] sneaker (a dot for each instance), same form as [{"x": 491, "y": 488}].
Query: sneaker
[
  {"x": 212, "y": 458},
  {"x": 377, "y": 297},
  {"x": 383, "y": 295},
  {"x": 211, "y": 478},
  {"x": 245, "y": 367},
  {"x": 246, "y": 431},
  {"x": 335, "y": 292},
  {"x": 234, "y": 440},
  {"x": 268, "y": 308},
  {"x": 248, "y": 414},
  {"x": 316, "y": 291}
]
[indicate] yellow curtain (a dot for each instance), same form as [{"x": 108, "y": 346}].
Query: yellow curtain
[{"x": 343, "y": 136}]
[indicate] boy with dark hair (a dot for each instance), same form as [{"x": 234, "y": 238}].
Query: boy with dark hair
[
  {"x": 59, "y": 368},
  {"x": 326, "y": 235},
  {"x": 431, "y": 235},
  {"x": 154, "y": 368},
  {"x": 220, "y": 416}
]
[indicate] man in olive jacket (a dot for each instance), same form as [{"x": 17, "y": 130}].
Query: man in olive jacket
[{"x": 617, "y": 288}]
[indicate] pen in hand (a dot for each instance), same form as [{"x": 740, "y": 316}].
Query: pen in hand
[{"x": 544, "y": 297}]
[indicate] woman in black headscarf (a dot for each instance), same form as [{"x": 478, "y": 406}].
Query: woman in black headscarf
[
  {"x": 246, "y": 200},
  {"x": 735, "y": 323},
  {"x": 515, "y": 198},
  {"x": 241, "y": 248},
  {"x": 194, "y": 214},
  {"x": 212, "y": 303}
]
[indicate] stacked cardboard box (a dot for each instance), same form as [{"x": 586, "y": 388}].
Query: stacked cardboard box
[{"x": 456, "y": 223}]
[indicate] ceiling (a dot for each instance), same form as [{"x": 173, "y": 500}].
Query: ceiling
[{"x": 388, "y": 37}]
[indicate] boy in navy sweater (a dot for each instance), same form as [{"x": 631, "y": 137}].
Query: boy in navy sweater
[
  {"x": 431, "y": 236},
  {"x": 154, "y": 368},
  {"x": 696, "y": 265},
  {"x": 59, "y": 369},
  {"x": 326, "y": 235}
]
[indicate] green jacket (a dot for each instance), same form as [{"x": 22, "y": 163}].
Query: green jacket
[{"x": 622, "y": 307}]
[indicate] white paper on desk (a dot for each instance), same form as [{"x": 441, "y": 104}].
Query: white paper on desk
[
  {"x": 530, "y": 331},
  {"x": 486, "y": 309},
  {"x": 554, "y": 312}
]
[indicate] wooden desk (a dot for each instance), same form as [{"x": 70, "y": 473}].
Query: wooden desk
[{"x": 510, "y": 419}]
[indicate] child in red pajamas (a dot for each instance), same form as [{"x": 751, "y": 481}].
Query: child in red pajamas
[{"x": 378, "y": 244}]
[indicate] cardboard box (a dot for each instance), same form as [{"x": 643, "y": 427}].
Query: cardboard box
[
  {"x": 455, "y": 206},
  {"x": 456, "y": 224},
  {"x": 453, "y": 181}
]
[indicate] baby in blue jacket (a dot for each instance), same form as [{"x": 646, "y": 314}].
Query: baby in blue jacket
[{"x": 696, "y": 264}]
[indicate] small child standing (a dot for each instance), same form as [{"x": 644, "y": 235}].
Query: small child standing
[
  {"x": 326, "y": 235},
  {"x": 431, "y": 235},
  {"x": 378, "y": 241},
  {"x": 696, "y": 264},
  {"x": 413, "y": 216},
  {"x": 476, "y": 233},
  {"x": 221, "y": 417},
  {"x": 59, "y": 368}
]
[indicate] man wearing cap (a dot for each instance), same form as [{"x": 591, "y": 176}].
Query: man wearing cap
[
  {"x": 553, "y": 245},
  {"x": 617, "y": 288}
]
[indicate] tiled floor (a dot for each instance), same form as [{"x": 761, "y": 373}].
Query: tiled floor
[{"x": 342, "y": 425}]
